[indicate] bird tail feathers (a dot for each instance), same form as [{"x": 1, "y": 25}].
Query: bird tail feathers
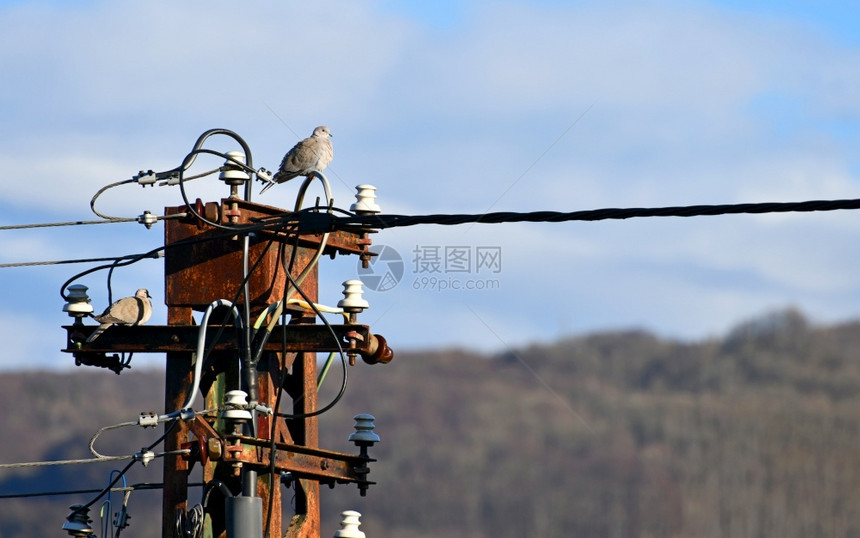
[{"x": 99, "y": 330}]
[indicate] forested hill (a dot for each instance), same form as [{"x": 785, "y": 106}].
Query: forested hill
[{"x": 614, "y": 434}]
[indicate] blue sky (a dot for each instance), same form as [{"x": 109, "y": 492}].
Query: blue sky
[
  {"x": 456, "y": 107},
  {"x": 839, "y": 20}
]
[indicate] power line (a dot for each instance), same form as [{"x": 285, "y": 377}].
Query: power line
[
  {"x": 147, "y": 219},
  {"x": 396, "y": 221},
  {"x": 62, "y": 462},
  {"x": 67, "y": 223},
  {"x": 81, "y": 260},
  {"x": 311, "y": 220},
  {"x": 100, "y": 459},
  {"x": 134, "y": 487}
]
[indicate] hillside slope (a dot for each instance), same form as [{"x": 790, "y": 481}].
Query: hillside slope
[{"x": 614, "y": 434}]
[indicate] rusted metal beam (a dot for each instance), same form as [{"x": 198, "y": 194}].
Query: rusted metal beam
[
  {"x": 302, "y": 461},
  {"x": 170, "y": 338}
]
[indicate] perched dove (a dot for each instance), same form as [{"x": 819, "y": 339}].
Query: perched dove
[
  {"x": 312, "y": 154},
  {"x": 127, "y": 311}
]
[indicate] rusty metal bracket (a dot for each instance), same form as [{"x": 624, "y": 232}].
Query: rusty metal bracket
[
  {"x": 183, "y": 338},
  {"x": 112, "y": 362},
  {"x": 325, "y": 466}
]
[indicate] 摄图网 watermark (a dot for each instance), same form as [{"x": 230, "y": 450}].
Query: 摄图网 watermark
[
  {"x": 432, "y": 283},
  {"x": 435, "y": 268}
]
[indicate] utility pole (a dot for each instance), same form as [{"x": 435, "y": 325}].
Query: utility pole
[{"x": 240, "y": 446}]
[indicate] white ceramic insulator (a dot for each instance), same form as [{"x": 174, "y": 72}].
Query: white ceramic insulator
[
  {"x": 78, "y": 304},
  {"x": 365, "y": 201},
  {"x": 364, "y": 427},
  {"x": 236, "y": 398},
  {"x": 234, "y": 174},
  {"x": 349, "y": 525},
  {"x": 352, "y": 297}
]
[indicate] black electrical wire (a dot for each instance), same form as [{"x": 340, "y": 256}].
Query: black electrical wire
[
  {"x": 252, "y": 378},
  {"x": 214, "y": 484},
  {"x": 393, "y": 221},
  {"x": 137, "y": 257},
  {"x": 192, "y": 156},
  {"x": 134, "y": 259},
  {"x": 186, "y": 163},
  {"x": 280, "y": 390},
  {"x": 223, "y": 325},
  {"x": 397, "y": 221},
  {"x": 181, "y": 172},
  {"x": 66, "y": 262},
  {"x": 103, "y": 189},
  {"x": 113, "y": 220},
  {"x": 288, "y": 271},
  {"x": 134, "y": 487},
  {"x": 110, "y": 281},
  {"x": 273, "y": 450},
  {"x": 344, "y": 380},
  {"x": 294, "y": 252},
  {"x": 280, "y": 384},
  {"x": 264, "y": 339},
  {"x": 125, "y": 469},
  {"x": 109, "y": 218},
  {"x": 67, "y": 223},
  {"x": 184, "y": 166}
]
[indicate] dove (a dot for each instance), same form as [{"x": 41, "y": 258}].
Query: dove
[
  {"x": 312, "y": 154},
  {"x": 126, "y": 311}
]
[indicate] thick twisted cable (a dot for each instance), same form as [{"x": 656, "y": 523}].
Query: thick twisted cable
[{"x": 395, "y": 221}]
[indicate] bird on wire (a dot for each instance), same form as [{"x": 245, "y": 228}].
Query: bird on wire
[
  {"x": 312, "y": 154},
  {"x": 126, "y": 311}
]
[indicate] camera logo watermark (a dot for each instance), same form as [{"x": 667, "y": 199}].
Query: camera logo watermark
[
  {"x": 384, "y": 271},
  {"x": 435, "y": 268}
]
